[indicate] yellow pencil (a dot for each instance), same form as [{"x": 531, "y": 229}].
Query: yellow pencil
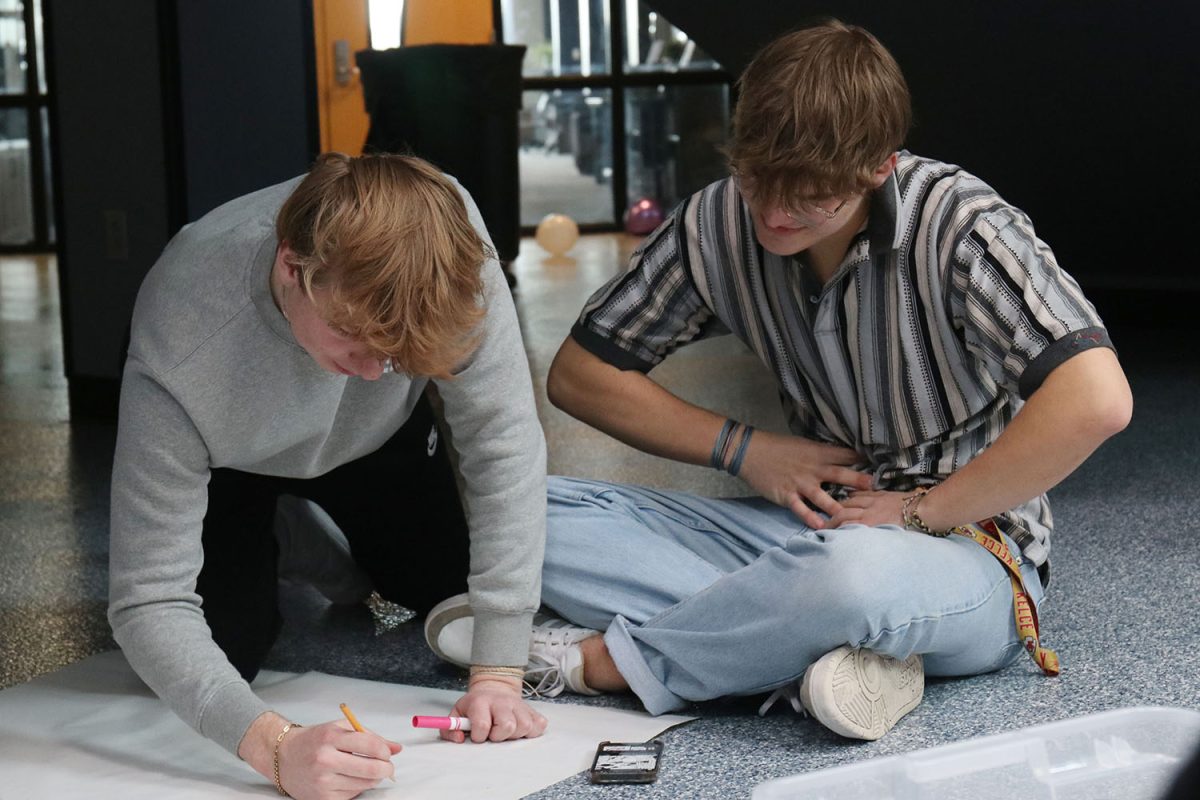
[
  {"x": 350, "y": 716},
  {"x": 354, "y": 724}
]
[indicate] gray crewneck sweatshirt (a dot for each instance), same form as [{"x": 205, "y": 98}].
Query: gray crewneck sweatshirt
[{"x": 216, "y": 379}]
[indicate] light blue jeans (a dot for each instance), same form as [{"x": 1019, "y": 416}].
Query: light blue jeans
[{"x": 701, "y": 598}]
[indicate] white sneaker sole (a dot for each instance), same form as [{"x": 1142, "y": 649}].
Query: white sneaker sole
[
  {"x": 860, "y": 694},
  {"x": 449, "y": 629}
]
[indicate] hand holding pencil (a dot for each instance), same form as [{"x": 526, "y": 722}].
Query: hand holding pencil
[
  {"x": 393, "y": 747},
  {"x": 337, "y": 759}
]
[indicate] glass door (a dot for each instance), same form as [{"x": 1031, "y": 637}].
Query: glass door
[
  {"x": 26, "y": 215},
  {"x": 620, "y": 110}
]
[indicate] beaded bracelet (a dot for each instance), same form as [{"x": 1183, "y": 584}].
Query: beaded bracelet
[
  {"x": 912, "y": 520},
  {"x": 279, "y": 741}
]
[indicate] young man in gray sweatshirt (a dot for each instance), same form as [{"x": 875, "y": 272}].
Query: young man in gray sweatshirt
[{"x": 281, "y": 347}]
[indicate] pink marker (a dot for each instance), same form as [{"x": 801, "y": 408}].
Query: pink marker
[{"x": 443, "y": 723}]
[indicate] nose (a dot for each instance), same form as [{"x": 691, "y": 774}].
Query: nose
[
  {"x": 776, "y": 217},
  {"x": 368, "y": 367}
]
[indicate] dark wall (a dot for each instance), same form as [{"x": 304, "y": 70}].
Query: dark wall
[
  {"x": 110, "y": 162},
  {"x": 1075, "y": 111},
  {"x": 160, "y": 112},
  {"x": 246, "y": 91}
]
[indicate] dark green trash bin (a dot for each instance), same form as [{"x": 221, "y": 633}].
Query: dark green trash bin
[{"x": 456, "y": 106}]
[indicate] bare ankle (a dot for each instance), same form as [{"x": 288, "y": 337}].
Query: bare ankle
[{"x": 599, "y": 670}]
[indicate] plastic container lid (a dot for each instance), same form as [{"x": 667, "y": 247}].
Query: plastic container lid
[{"x": 1128, "y": 754}]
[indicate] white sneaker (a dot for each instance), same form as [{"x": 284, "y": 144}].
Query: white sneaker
[
  {"x": 449, "y": 629},
  {"x": 313, "y": 549},
  {"x": 555, "y": 660},
  {"x": 860, "y": 694}
]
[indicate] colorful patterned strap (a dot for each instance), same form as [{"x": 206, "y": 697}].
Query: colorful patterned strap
[{"x": 988, "y": 535}]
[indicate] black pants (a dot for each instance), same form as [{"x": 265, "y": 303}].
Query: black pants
[{"x": 398, "y": 507}]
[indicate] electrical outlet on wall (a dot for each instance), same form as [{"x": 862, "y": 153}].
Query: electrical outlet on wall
[{"x": 116, "y": 235}]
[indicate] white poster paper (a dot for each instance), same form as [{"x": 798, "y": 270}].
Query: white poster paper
[{"x": 93, "y": 730}]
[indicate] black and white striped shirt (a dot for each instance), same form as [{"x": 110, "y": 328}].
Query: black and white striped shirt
[{"x": 946, "y": 312}]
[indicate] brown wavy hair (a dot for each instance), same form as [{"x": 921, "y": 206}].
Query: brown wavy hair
[
  {"x": 819, "y": 110},
  {"x": 389, "y": 237}
]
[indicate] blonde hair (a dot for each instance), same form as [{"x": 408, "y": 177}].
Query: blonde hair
[
  {"x": 388, "y": 236},
  {"x": 819, "y": 111}
]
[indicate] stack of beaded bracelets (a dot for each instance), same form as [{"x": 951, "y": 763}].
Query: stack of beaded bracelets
[
  {"x": 720, "y": 452},
  {"x": 279, "y": 741},
  {"x": 912, "y": 520}
]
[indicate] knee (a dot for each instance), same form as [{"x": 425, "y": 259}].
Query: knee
[{"x": 853, "y": 581}]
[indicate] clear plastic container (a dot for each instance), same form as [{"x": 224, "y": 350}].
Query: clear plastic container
[{"x": 1128, "y": 754}]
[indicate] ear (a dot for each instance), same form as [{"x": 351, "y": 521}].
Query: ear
[
  {"x": 285, "y": 265},
  {"x": 885, "y": 171}
]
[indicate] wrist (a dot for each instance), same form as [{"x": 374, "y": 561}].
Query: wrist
[
  {"x": 932, "y": 511},
  {"x": 915, "y": 514},
  {"x": 258, "y": 743},
  {"x": 491, "y": 681},
  {"x": 276, "y": 771},
  {"x": 729, "y": 447}
]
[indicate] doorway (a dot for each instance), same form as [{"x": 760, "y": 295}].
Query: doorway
[{"x": 26, "y": 203}]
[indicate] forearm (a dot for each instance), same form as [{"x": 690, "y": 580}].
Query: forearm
[
  {"x": 631, "y": 407},
  {"x": 490, "y": 409},
  {"x": 159, "y": 497},
  {"x": 171, "y": 649},
  {"x": 1081, "y": 404}
]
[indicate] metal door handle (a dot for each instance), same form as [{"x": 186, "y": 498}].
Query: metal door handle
[{"x": 343, "y": 69}]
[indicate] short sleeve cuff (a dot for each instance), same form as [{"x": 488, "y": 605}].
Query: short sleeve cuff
[
  {"x": 607, "y": 350},
  {"x": 1057, "y": 353}
]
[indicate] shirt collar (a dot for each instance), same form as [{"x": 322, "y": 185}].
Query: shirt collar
[{"x": 883, "y": 225}]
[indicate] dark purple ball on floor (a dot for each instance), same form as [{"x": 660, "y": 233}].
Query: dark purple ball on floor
[{"x": 643, "y": 216}]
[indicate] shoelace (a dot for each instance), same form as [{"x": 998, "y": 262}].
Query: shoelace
[
  {"x": 544, "y": 673},
  {"x": 552, "y": 636},
  {"x": 546, "y": 668},
  {"x": 549, "y": 676},
  {"x": 791, "y": 693}
]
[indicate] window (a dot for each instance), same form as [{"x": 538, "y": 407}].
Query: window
[
  {"x": 26, "y": 218},
  {"x": 619, "y": 106},
  {"x": 565, "y": 154},
  {"x": 384, "y": 21}
]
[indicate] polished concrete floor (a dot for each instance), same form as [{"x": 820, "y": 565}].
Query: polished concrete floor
[{"x": 1122, "y": 607}]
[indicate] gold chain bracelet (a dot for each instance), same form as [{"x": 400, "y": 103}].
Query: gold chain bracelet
[{"x": 279, "y": 741}]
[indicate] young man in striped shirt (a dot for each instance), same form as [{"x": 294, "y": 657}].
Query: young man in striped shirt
[{"x": 937, "y": 368}]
